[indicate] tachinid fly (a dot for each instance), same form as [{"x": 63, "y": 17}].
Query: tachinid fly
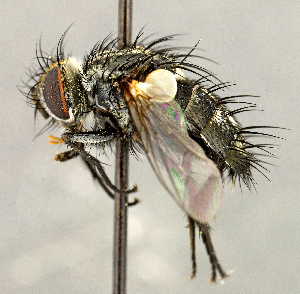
[{"x": 141, "y": 95}]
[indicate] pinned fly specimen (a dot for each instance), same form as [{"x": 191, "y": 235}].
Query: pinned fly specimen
[{"x": 141, "y": 95}]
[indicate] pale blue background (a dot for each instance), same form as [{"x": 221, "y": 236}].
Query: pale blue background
[{"x": 56, "y": 224}]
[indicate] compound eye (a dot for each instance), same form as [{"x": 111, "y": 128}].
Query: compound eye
[{"x": 54, "y": 94}]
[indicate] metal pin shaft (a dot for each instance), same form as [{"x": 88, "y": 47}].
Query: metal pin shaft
[{"x": 121, "y": 172}]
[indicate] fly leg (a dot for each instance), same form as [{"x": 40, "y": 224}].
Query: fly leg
[
  {"x": 63, "y": 156},
  {"x": 67, "y": 155},
  {"x": 191, "y": 227},
  {"x": 76, "y": 142},
  {"x": 204, "y": 230},
  {"x": 102, "y": 182}
]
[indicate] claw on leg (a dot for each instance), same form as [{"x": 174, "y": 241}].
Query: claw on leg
[{"x": 132, "y": 190}]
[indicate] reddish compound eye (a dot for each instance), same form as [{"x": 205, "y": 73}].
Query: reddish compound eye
[
  {"x": 54, "y": 94},
  {"x": 60, "y": 92}
]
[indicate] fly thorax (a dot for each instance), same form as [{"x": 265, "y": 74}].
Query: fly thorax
[{"x": 109, "y": 100}]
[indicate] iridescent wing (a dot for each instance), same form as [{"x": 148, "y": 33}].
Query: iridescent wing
[{"x": 179, "y": 162}]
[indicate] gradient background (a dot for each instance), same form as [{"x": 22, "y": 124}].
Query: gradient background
[{"x": 56, "y": 224}]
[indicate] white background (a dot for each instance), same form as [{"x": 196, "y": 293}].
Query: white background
[{"x": 56, "y": 224}]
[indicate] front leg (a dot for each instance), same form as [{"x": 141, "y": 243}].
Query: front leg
[
  {"x": 64, "y": 156},
  {"x": 75, "y": 141},
  {"x": 103, "y": 184},
  {"x": 67, "y": 155},
  {"x": 101, "y": 138}
]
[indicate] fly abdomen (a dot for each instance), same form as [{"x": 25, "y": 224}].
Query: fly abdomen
[
  {"x": 215, "y": 129},
  {"x": 197, "y": 108}
]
